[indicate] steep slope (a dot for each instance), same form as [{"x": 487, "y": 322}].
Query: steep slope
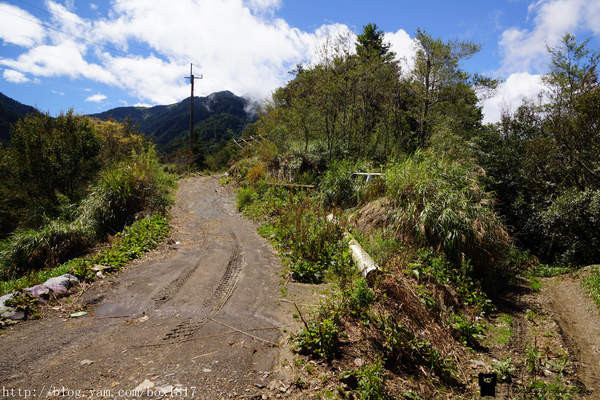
[
  {"x": 218, "y": 117},
  {"x": 10, "y": 112}
]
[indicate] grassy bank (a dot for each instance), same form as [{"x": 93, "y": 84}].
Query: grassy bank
[{"x": 138, "y": 238}]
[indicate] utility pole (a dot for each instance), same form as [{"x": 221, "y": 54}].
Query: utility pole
[{"x": 192, "y": 138}]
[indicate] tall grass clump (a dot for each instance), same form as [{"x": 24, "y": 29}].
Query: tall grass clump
[
  {"x": 137, "y": 184},
  {"x": 441, "y": 204},
  {"x": 29, "y": 249}
]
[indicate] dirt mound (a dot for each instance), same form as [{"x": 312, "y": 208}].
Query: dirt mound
[{"x": 377, "y": 214}]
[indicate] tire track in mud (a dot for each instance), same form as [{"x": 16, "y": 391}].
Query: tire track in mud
[
  {"x": 186, "y": 330},
  {"x": 169, "y": 291}
]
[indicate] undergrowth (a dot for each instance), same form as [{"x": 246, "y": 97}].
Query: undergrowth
[
  {"x": 591, "y": 282},
  {"x": 138, "y": 238},
  {"x": 138, "y": 184},
  {"x": 298, "y": 225}
]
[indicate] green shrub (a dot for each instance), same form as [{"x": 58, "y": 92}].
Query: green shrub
[
  {"x": 307, "y": 271},
  {"x": 441, "y": 204},
  {"x": 142, "y": 235},
  {"x": 428, "y": 267},
  {"x": 468, "y": 332},
  {"x": 554, "y": 390},
  {"x": 362, "y": 296},
  {"x": 380, "y": 246},
  {"x": 571, "y": 227},
  {"x": 547, "y": 271},
  {"x": 337, "y": 187},
  {"x": 313, "y": 243},
  {"x": 245, "y": 197},
  {"x": 319, "y": 338},
  {"x": 403, "y": 350},
  {"x": 504, "y": 369},
  {"x": 370, "y": 382},
  {"x": 137, "y": 239}
]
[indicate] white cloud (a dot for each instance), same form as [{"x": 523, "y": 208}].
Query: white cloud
[
  {"x": 250, "y": 57},
  {"x": 510, "y": 94},
  {"x": 96, "y": 98},
  {"x": 57, "y": 92},
  {"x": 65, "y": 59},
  {"x": 405, "y": 48},
  {"x": 264, "y": 5},
  {"x": 19, "y": 27},
  {"x": 525, "y": 50},
  {"x": 14, "y": 76},
  {"x": 93, "y": 6}
]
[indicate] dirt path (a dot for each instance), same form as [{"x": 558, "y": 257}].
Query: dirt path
[
  {"x": 579, "y": 320},
  {"x": 173, "y": 319}
]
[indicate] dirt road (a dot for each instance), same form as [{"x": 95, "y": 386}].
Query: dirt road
[
  {"x": 579, "y": 320},
  {"x": 168, "y": 322}
]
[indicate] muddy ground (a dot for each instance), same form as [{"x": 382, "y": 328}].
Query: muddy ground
[{"x": 201, "y": 319}]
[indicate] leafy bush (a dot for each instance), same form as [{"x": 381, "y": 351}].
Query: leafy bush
[
  {"x": 468, "y": 332},
  {"x": 245, "y": 197},
  {"x": 403, "y": 349},
  {"x": 255, "y": 173},
  {"x": 591, "y": 282},
  {"x": 369, "y": 381},
  {"x": 380, "y": 246},
  {"x": 362, "y": 296},
  {"x": 319, "y": 338},
  {"x": 571, "y": 226},
  {"x": 338, "y": 187},
  {"x": 309, "y": 237},
  {"x": 504, "y": 369},
  {"x": 440, "y": 203},
  {"x": 426, "y": 266},
  {"x": 137, "y": 239},
  {"x": 139, "y": 184}
]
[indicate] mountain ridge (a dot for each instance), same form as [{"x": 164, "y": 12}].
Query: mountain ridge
[
  {"x": 218, "y": 117},
  {"x": 10, "y": 112}
]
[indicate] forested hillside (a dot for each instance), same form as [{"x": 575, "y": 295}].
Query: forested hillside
[
  {"x": 218, "y": 118},
  {"x": 10, "y": 112}
]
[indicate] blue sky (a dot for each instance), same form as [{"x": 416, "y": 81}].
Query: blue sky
[{"x": 99, "y": 54}]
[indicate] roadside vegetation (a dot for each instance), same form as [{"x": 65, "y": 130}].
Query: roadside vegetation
[
  {"x": 70, "y": 183},
  {"x": 458, "y": 216}
]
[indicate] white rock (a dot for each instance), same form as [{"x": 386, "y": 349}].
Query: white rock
[
  {"x": 147, "y": 384},
  {"x": 3, "y": 299}
]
